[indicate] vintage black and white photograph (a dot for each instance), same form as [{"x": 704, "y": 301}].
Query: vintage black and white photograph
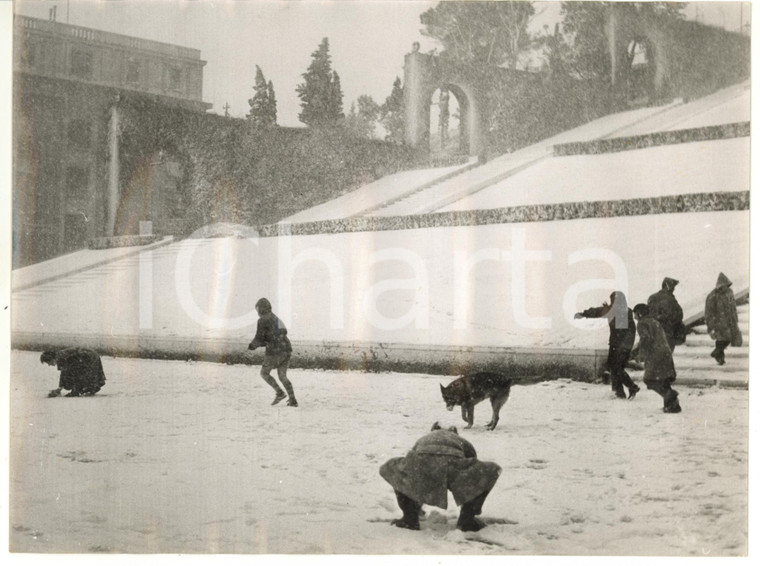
[{"x": 379, "y": 277}]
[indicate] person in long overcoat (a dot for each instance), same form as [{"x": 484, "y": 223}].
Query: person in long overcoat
[
  {"x": 664, "y": 308},
  {"x": 81, "y": 371},
  {"x": 440, "y": 461},
  {"x": 659, "y": 370},
  {"x": 272, "y": 334},
  {"x": 622, "y": 337},
  {"x": 722, "y": 319}
]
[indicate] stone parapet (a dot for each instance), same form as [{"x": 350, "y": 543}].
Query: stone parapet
[
  {"x": 525, "y": 365},
  {"x": 628, "y": 143},
  {"x": 698, "y": 202}
]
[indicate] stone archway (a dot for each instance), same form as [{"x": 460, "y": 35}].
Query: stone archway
[
  {"x": 627, "y": 30},
  {"x": 423, "y": 75}
]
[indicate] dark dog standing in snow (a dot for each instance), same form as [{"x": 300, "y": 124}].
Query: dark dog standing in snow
[{"x": 471, "y": 389}]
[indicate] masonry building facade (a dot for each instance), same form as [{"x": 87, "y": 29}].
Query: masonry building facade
[{"x": 68, "y": 82}]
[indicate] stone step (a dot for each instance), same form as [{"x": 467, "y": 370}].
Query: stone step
[
  {"x": 702, "y": 329},
  {"x": 702, "y": 377},
  {"x": 703, "y": 351},
  {"x": 705, "y": 341},
  {"x": 732, "y": 365}
]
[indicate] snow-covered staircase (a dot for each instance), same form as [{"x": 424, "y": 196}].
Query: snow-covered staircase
[{"x": 695, "y": 366}]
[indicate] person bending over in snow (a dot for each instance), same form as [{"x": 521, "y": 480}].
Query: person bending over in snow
[
  {"x": 440, "y": 461},
  {"x": 81, "y": 371},
  {"x": 722, "y": 319},
  {"x": 664, "y": 308},
  {"x": 622, "y": 337},
  {"x": 272, "y": 334},
  {"x": 659, "y": 371}
]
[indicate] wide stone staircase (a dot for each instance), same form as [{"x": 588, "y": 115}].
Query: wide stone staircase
[{"x": 695, "y": 366}]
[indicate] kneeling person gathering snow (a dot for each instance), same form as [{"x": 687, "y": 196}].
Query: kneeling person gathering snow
[
  {"x": 81, "y": 371},
  {"x": 440, "y": 461}
]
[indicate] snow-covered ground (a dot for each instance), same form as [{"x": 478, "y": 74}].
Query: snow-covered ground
[
  {"x": 75, "y": 261},
  {"x": 407, "y": 286},
  {"x": 697, "y": 167},
  {"x": 178, "y": 457},
  {"x": 372, "y": 194},
  {"x": 726, "y": 106},
  {"x": 656, "y": 171}
]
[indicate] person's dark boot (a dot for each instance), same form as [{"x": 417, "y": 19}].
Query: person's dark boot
[
  {"x": 411, "y": 510},
  {"x": 279, "y": 396},
  {"x": 671, "y": 402},
  {"x": 632, "y": 390},
  {"x": 606, "y": 377},
  {"x": 467, "y": 521}
]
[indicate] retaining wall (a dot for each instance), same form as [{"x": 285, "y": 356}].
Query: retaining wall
[
  {"x": 628, "y": 143},
  {"x": 698, "y": 202},
  {"x": 525, "y": 365}
]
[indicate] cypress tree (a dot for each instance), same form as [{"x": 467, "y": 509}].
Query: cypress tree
[
  {"x": 263, "y": 111},
  {"x": 320, "y": 93}
]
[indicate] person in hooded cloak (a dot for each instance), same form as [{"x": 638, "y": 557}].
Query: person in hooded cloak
[
  {"x": 622, "y": 337},
  {"x": 722, "y": 319}
]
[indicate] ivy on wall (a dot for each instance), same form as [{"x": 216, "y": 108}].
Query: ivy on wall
[{"x": 235, "y": 173}]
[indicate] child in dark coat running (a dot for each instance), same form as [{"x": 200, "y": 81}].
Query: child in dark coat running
[
  {"x": 272, "y": 334},
  {"x": 659, "y": 371}
]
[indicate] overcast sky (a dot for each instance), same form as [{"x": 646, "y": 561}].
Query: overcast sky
[{"x": 368, "y": 39}]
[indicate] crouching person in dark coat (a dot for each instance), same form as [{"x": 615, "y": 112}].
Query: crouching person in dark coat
[
  {"x": 659, "y": 371},
  {"x": 81, "y": 371},
  {"x": 440, "y": 461},
  {"x": 722, "y": 319}
]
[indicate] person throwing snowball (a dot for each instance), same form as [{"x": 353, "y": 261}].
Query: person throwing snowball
[{"x": 272, "y": 334}]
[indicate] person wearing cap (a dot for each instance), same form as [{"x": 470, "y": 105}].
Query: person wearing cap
[
  {"x": 664, "y": 308},
  {"x": 659, "y": 371},
  {"x": 81, "y": 371},
  {"x": 272, "y": 334},
  {"x": 438, "y": 462},
  {"x": 622, "y": 337},
  {"x": 722, "y": 319}
]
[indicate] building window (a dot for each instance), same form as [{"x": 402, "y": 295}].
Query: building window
[
  {"x": 133, "y": 71},
  {"x": 31, "y": 55},
  {"x": 76, "y": 184},
  {"x": 81, "y": 64},
  {"x": 175, "y": 78},
  {"x": 79, "y": 133}
]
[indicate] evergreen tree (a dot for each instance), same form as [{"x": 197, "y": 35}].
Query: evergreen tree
[
  {"x": 263, "y": 111},
  {"x": 392, "y": 114},
  {"x": 320, "y": 93},
  {"x": 480, "y": 33},
  {"x": 336, "y": 96},
  {"x": 272, "y": 109},
  {"x": 362, "y": 122}
]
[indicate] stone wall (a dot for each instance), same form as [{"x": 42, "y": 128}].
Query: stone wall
[
  {"x": 628, "y": 143},
  {"x": 525, "y": 365},
  {"x": 699, "y": 202}
]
